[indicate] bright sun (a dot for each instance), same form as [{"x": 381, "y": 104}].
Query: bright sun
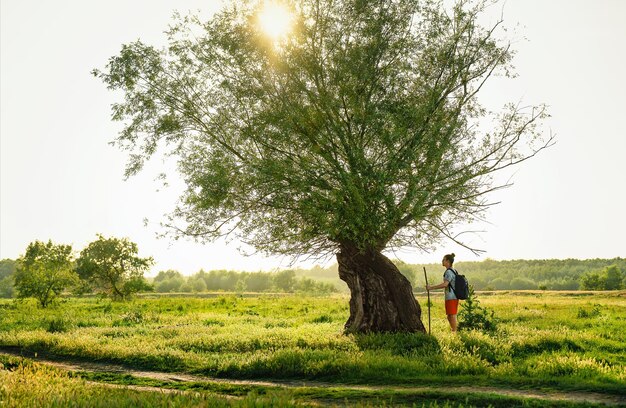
[{"x": 275, "y": 19}]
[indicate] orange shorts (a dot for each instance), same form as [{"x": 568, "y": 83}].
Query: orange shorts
[{"x": 452, "y": 306}]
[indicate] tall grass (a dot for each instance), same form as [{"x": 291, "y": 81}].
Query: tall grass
[{"x": 35, "y": 385}]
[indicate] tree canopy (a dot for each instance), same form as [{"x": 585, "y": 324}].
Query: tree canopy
[{"x": 361, "y": 127}]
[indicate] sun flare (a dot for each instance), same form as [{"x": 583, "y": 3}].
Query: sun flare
[{"x": 275, "y": 19}]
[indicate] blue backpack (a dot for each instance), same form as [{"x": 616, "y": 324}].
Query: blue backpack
[{"x": 460, "y": 287}]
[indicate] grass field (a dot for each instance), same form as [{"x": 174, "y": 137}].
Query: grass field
[{"x": 548, "y": 341}]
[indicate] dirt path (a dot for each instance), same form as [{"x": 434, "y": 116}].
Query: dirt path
[{"x": 75, "y": 365}]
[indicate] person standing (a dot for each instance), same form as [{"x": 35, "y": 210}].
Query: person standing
[{"x": 451, "y": 301}]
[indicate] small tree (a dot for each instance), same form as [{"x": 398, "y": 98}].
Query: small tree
[
  {"x": 44, "y": 271},
  {"x": 111, "y": 266},
  {"x": 475, "y": 317}
]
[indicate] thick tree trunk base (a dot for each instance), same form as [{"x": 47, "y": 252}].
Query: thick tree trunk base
[{"x": 381, "y": 297}]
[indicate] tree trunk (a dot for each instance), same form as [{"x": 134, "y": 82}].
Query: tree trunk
[{"x": 381, "y": 297}]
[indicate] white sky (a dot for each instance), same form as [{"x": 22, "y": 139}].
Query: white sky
[{"x": 61, "y": 180}]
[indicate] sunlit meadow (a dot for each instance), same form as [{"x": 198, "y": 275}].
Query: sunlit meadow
[{"x": 547, "y": 340}]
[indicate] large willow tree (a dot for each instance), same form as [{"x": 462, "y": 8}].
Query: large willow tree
[{"x": 357, "y": 132}]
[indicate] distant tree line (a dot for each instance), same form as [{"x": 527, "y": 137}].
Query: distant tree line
[
  {"x": 111, "y": 267},
  {"x": 232, "y": 281},
  {"x": 549, "y": 274},
  {"x": 552, "y": 274}
]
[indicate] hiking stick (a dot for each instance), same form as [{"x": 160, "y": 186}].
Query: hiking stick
[{"x": 427, "y": 291}]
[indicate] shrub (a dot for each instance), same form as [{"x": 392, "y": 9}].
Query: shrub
[
  {"x": 475, "y": 317},
  {"x": 583, "y": 314},
  {"x": 58, "y": 325}
]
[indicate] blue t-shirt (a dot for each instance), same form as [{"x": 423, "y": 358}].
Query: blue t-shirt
[{"x": 449, "y": 276}]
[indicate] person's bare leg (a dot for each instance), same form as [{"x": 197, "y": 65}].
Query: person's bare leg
[{"x": 452, "y": 321}]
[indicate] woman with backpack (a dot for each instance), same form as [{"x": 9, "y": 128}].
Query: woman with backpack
[{"x": 452, "y": 302}]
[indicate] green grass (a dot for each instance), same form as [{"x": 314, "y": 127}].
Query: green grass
[
  {"x": 335, "y": 395},
  {"x": 25, "y": 383},
  {"x": 550, "y": 341}
]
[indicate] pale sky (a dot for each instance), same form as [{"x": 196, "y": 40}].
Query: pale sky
[{"x": 61, "y": 180}]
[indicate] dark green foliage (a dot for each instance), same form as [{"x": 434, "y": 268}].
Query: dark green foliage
[
  {"x": 473, "y": 316},
  {"x": 610, "y": 278},
  {"x": 592, "y": 281},
  {"x": 546, "y": 344}
]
